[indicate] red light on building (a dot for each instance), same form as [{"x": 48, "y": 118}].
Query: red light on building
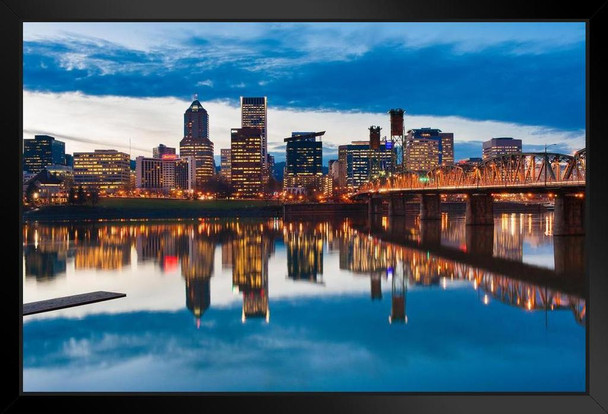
[{"x": 169, "y": 157}]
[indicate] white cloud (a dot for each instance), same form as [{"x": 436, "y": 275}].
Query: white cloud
[
  {"x": 86, "y": 123},
  {"x": 207, "y": 82},
  {"x": 71, "y": 61}
]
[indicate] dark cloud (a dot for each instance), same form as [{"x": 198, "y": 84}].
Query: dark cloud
[{"x": 537, "y": 89}]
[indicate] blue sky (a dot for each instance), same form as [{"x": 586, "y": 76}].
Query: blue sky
[{"x": 526, "y": 80}]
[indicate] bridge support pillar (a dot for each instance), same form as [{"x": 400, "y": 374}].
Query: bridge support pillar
[
  {"x": 374, "y": 209},
  {"x": 569, "y": 255},
  {"x": 480, "y": 240},
  {"x": 480, "y": 209},
  {"x": 430, "y": 207},
  {"x": 569, "y": 215},
  {"x": 396, "y": 205},
  {"x": 430, "y": 233}
]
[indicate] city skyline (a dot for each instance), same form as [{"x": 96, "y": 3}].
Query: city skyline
[{"x": 81, "y": 82}]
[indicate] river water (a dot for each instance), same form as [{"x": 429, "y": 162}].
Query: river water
[{"x": 335, "y": 305}]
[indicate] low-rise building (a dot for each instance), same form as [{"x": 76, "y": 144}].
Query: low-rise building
[{"x": 104, "y": 170}]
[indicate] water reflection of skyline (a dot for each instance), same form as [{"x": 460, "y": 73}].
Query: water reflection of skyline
[{"x": 247, "y": 246}]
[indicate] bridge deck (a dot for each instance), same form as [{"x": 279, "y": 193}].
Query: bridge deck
[{"x": 463, "y": 189}]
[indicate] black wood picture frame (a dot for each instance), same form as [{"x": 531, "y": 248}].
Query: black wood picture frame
[{"x": 13, "y": 13}]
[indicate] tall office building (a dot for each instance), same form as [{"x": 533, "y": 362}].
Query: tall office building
[
  {"x": 225, "y": 170},
  {"x": 107, "y": 170},
  {"x": 254, "y": 113},
  {"x": 158, "y": 152},
  {"x": 447, "y": 148},
  {"x": 355, "y": 165},
  {"x": 196, "y": 121},
  {"x": 428, "y": 148},
  {"x": 501, "y": 146},
  {"x": 303, "y": 160},
  {"x": 246, "y": 165},
  {"x": 202, "y": 152},
  {"x": 42, "y": 151},
  {"x": 196, "y": 142}
]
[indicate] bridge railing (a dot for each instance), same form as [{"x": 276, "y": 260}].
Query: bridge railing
[{"x": 526, "y": 169}]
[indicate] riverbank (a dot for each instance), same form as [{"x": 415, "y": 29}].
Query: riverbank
[{"x": 151, "y": 208}]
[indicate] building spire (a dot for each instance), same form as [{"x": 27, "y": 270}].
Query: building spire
[{"x": 195, "y": 96}]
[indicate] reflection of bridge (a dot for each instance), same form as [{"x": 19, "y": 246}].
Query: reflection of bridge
[
  {"x": 547, "y": 173},
  {"x": 568, "y": 276},
  {"x": 430, "y": 264},
  {"x": 531, "y": 297}
]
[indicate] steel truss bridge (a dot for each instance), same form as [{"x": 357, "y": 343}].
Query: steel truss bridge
[{"x": 524, "y": 172}]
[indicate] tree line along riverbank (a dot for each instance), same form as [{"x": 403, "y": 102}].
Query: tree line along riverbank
[{"x": 135, "y": 208}]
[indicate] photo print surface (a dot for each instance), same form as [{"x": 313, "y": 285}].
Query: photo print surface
[{"x": 305, "y": 206}]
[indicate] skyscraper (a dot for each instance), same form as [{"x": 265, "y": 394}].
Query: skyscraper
[
  {"x": 246, "y": 165},
  {"x": 303, "y": 160},
  {"x": 42, "y": 151},
  {"x": 196, "y": 142},
  {"x": 447, "y": 148},
  {"x": 196, "y": 121},
  {"x": 501, "y": 146},
  {"x": 355, "y": 167},
  {"x": 428, "y": 148},
  {"x": 254, "y": 113},
  {"x": 202, "y": 152}
]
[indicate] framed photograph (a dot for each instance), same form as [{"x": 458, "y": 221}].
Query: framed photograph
[{"x": 381, "y": 207}]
